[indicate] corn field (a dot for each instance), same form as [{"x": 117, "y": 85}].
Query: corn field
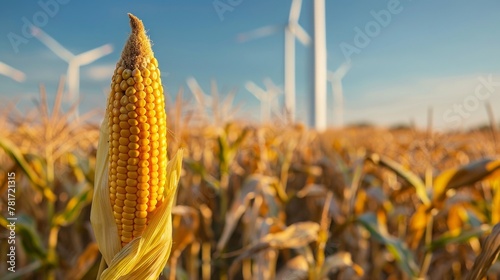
[
  {"x": 237, "y": 200},
  {"x": 266, "y": 202}
]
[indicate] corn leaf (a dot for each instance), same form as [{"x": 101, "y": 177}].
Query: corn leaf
[
  {"x": 418, "y": 224},
  {"x": 30, "y": 240},
  {"x": 403, "y": 256},
  {"x": 25, "y": 270},
  {"x": 73, "y": 208},
  {"x": 457, "y": 237},
  {"x": 200, "y": 169},
  {"x": 186, "y": 223},
  {"x": 296, "y": 268},
  {"x": 17, "y": 156},
  {"x": 294, "y": 236},
  {"x": 465, "y": 175},
  {"x": 101, "y": 214},
  {"x": 84, "y": 262},
  {"x": 337, "y": 261},
  {"x": 495, "y": 205},
  {"x": 404, "y": 173},
  {"x": 488, "y": 255},
  {"x": 239, "y": 206}
]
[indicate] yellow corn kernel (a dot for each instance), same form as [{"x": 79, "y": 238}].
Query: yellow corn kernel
[{"x": 137, "y": 145}]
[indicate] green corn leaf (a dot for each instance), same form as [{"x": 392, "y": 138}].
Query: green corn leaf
[
  {"x": 452, "y": 237},
  {"x": 26, "y": 231},
  {"x": 199, "y": 169},
  {"x": 73, "y": 208},
  {"x": 395, "y": 246}
]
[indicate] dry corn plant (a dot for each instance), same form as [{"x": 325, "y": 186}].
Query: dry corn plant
[
  {"x": 364, "y": 206},
  {"x": 53, "y": 162}
]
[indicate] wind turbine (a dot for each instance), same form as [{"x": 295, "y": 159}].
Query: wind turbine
[
  {"x": 265, "y": 97},
  {"x": 292, "y": 30},
  {"x": 74, "y": 61},
  {"x": 222, "y": 109},
  {"x": 203, "y": 100},
  {"x": 335, "y": 79},
  {"x": 318, "y": 110},
  {"x": 12, "y": 73}
]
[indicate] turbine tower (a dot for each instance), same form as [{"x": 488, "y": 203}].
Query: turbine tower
[
  {"x": 265, "y": 97},
  {"x": 12, "y": 73},
  {"x": 318, "y": 110},
  {"x": 292, "y": 30},
  {"x": 74, "y": 61},
  {"x": 335, "y": 79}
]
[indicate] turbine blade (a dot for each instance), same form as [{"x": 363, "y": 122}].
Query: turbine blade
[
  {"x": 199, "y": 95},
  {"x": 195, "y": 89},
  {"x": 272, "y": 88},
  {"x": 258, "y": 33},
  {"x": 12, "y": 73},
  {"x": 52, "y": 44},
  {"x": 93, "y": 55},
  {"x": 301, "y": 34},
  {"x": 254, "y": 89},
  {"x": 342, "y": 70},
  {"x": 295, "y": 11},
  {"x": 227, "y": 103}
]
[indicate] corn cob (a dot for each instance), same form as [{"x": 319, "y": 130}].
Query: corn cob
[{"x": 137, "y": 139}]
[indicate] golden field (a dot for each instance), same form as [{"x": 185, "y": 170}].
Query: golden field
[{"x": 266, "y": 202}]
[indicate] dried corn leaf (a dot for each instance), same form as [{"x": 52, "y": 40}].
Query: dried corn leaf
[
  {"x": 495, "y": 205},
  {"x": 418, "y": 224},
  {"x": 255, "y": 185},
  {"x": 465, "y": 175},
  {"x": 17, "y": 156},
  {"x": 406, "y": 174},
  {"x": 186, "y": 221},
  {"x": 312, "y": 190},
  {"x": 238, "y": 207},
  {"x": 84, "y": 262},
  {"x": 296, "y": 268},
  {"x": 294, "y": 236},
  {"x": 489, "y": 253},
  {"x": 337, "y": 261},
  {"x": 456, "y": 218}
]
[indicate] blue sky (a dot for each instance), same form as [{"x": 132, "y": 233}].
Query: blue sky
[{"x": 429, "y": 54}]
